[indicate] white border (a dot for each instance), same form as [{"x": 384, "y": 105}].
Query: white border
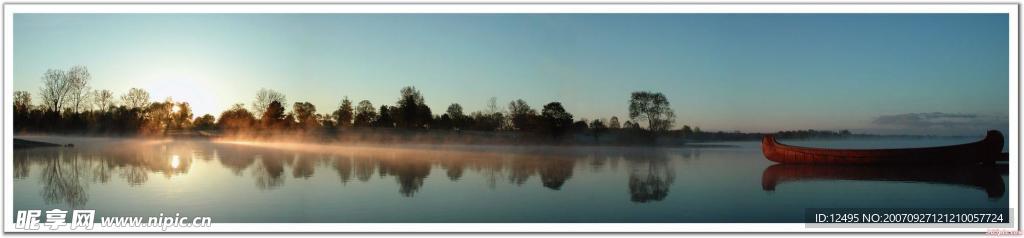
[
  {"x": 1011, "y": 9},
  {"x": 511, "y": 8}
]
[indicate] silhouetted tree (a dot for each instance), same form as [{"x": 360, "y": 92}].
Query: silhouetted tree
[
  {"x": 455, "y": 110},
  {"x": 327, "y": 124},
  {"x": 597, "y": 128},
  {"x": 523, "y": 117},
  {"x": 125, "y": 120},
  {"x": 384, "y": 119},
  {"x": 652, "y": 107},
  {"x": 411, "y": 109},
  {"x": 263, "y": 99},
  {"x": 343, "y": 116},
  {"x": 364, "y": 114},
  {"x": 556, "y": 120},
  {"x": 455, "y": 116},
  {"x": 630, "y": 125},
  {"x": 485, "y": 121},
  {"x": 236, "y": 119},
  {"x": 273, "y": 117},
  {"x": 205, "y": 122},
  {"x": 613, "y": 123},
  {"x": 158, "y": 118},
  {"x": 443, "y": 122},
  {"x": 580, "y": 126},
  {"x": 182, "y": 116},
  {"x": 22, "y": 110},
  {"x": 305, "y": 116},
  {"x": 288, "y": 123},
  {"x": 424, "y": 118}
]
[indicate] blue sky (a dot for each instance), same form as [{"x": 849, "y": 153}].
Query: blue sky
[{"x": 750, "y": 72}]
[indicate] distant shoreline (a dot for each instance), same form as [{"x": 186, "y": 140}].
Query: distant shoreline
[
  {"x": 385, "y": 137},
  {"x": 25, "y": 144}
]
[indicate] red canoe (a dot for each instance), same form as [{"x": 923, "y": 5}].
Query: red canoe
[{"x": 987, "y": 151}]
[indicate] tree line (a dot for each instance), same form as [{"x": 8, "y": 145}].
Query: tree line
[{"x": 69, "y": 106}]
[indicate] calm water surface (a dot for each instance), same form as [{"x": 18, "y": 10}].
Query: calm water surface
[{"x": 244, "y": 182}]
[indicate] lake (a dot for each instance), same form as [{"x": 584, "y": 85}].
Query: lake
[{"x": 283, "y": 183}]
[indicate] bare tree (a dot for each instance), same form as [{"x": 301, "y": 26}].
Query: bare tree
[
  {"x": 263, "y": 99},
  {"x": 135, "y": 98},
  {"x": 78, "y": 78},
  {"x": 102, "y": 99},
  {"x": 55, "y": 89},
  {"x": 22, "y": 101},
  {"x": 492, "y": 105}
]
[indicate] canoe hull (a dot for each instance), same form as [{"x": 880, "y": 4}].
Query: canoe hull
[{"x": 984, "y": 151}]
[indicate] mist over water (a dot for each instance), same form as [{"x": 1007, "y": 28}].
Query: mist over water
[{"x": 245, "y": 181}]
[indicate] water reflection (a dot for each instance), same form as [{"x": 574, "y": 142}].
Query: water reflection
[
  {"x": 649, "y": 180},
  {"x": 62, "y": 181},
  {"x": 981, "y": 177},
  {"x": 268, "y": 172},
  {"x": 66, "y": 172}
]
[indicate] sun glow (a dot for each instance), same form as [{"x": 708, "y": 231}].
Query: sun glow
[
  {"x": 175, "y": 161},
  {"x": 192, "y": 86},
  {"x": 175, "y": 109}
]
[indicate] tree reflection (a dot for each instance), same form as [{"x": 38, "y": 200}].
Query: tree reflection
[
  {"x": 135, "y": 175},
  {"x": 233, "y": 158},
  {"x": 21, "y": 164},
  {"x": 62, "y": 181},
  {"x": 268, "y": 173},
  {"x": 454, "y": 168},
  {"x": 520, "y": 170},
  {"x": 409, "y": 173},
  {"x": 364, "y": 168},
  {"x": 65, "y": 172},
  {"x": 344, "y": 168},
  {"x": 555, "y": 171},
  {"x": 303, "y": 167},
  {"x": 650, "y": 179},
  {"x": 101, "y": 171}
]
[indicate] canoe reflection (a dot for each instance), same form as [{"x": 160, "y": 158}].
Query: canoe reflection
[{"x": 984, "y": 177}]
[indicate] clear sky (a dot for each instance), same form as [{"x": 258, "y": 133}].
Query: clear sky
[{"x": 882, "y": 73}]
